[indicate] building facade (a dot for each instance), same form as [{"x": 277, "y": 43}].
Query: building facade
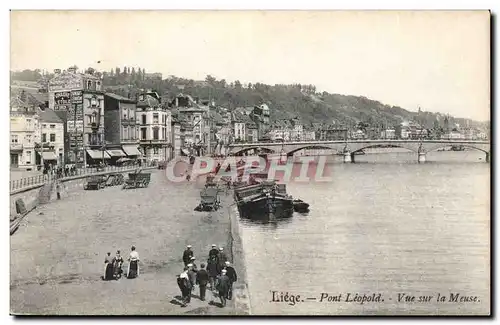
[
  {"x": 24, "y": 134},
  {"x": 155, "y": 127},
  {"x": 50, "y": 149},
  {"x": 195, "y": 119},
  {"x": 121, "y": 127},
  {"x": 78, "y": 100}
]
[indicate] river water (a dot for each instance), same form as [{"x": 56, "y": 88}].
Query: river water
[{"x": 387, "y": 225}]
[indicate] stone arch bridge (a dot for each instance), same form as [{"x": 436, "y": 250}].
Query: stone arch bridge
[{"x": 350, "y": 147}]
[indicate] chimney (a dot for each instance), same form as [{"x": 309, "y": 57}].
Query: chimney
[{"x": 71, "y": 70}]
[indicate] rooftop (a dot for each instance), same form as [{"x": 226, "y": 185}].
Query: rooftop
[
  {"x": 49, "y": 116},
  {"x": 119, "y": 97}
]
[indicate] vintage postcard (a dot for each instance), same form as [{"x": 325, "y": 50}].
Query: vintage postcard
[{"x": 250, "y": 163}]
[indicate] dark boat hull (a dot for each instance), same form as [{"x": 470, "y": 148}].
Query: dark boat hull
[
  {"x": 300, "y": 206},
  {"x": 267, "y": 209}
]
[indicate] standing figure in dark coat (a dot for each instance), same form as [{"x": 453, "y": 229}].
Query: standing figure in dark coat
[
  {"x": 231, "y": 274},
  {"x": 223, "y": 287},
  {"x": 213, "y": 252},
  {"x": 192, "y": 276},
  {"x": 185, "y": 286},
  {"x": 186, "y": 256},
  {"x": 222, "y": 259},
  {"x": 202, "y": 281},
  {"x": 108, "y": 267},
  {"x": 213, "y": 271}
]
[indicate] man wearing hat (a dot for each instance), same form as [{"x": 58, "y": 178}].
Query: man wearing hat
[
  {"x": 192, "y": 276},
  {"x": 223, "y": 283},
  {"x": 192, "y": 261},
  {"x": 214, "y": 253},
  {"x": 222, "y": 259},
  {"x": 231, "y": 274},
  {"x": 185, "y": 286},
  {"x": 188, "y": 253},
  {"x": 202, "y": 281}
]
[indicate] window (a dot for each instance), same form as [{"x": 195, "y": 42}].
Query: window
[
  {"x": 14, "y": 139},
  {"x": 155, "y": 134},
  {"x": 44, "y": 125},
  {"x": 163, "y": 133},
  {"x": 52, "y": 137},
  {"x": 143, "y": 133},
  {"x": 155, "y": 118},
  {"x": 52, "y": 126},
  {"x": 89, "y": 84},
  {"x": 28, "y": 138},
  {"x": 143, "y": 118},
  {"x": 155, "y": 150},
  {"x": 28, "y": 157},
  {"x": 44, "y": 137},
  {"x": 89, "y": 138},
  {"x": 124, "y": 116},
  {"x": 162, "y": 119}
]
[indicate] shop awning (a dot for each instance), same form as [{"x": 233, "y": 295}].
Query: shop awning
[
  {"x": 116, "y": 153},
  {"x": 132, "y": 151},
  {"x": 98, "y": 154},
  {"x": 49, "y": 155}
]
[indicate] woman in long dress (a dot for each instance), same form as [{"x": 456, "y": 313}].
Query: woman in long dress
[
  {"x": 108, "y": 267},
  {"x": 133, "y": 265},
  {"x": 118, "y": 262}
]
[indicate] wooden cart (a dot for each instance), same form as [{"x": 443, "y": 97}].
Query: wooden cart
[
  {"x": 136, "y": 180},
  {"x": 95, "y": 182},
  {"x": 115, "y": 179}
]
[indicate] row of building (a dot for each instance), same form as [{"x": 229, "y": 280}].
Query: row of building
[
  {"x": 80, "y": 123},
  {"x": 76, "y": 122}
]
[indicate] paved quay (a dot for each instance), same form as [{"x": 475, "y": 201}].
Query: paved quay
[{"x": 57, "y": 255}]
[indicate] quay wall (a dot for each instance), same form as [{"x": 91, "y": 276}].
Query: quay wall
[
  {"x": 240, "y": 290},
  {"x": 31, "y": 195}
]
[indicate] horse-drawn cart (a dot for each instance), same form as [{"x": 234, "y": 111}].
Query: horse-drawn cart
[
  {"x": 210, "y": 200},
  {"x": 115, "y": 179},
  {"x": 95, "y": 182},
  {"x": 137, "y": 179}
]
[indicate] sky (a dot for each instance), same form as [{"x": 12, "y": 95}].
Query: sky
[{"x": 437, "y": 60}]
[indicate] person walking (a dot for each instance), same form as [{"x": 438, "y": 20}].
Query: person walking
[
  {"x": 186, "y": 256},
  {"x": 195, "y": 267},
  {"x": 133, "y": 265},
  {"x": 192, "y": 276},
  {"x": 213, "y": 271},
  {"x": 202, "y": 281},
  {"x": 223, "y": 287},
  {"x": 108, "y": 267},
  {"x": 231, "y": 274},
  {"x": 58, "y": 190},
  {"x": 213, "y": 252},
  {"x": 222, "y": 259},
  {"x": 185, "y": 286}
]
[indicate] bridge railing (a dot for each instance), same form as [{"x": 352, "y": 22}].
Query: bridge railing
[{"x": 45, "y": 178}]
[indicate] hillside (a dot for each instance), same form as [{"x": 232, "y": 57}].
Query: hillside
[{"x": 285, "y": 101}]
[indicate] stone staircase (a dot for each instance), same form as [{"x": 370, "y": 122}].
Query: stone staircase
[{"x": 45, "y": 193}]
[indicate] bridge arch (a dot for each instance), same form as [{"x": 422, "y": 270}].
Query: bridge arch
[
  {"x": 444, "y": 145},
  {"x": 381, "y": 146},
  {"x": 291, "y": 152},
  {"x": 245, "y": 149}
]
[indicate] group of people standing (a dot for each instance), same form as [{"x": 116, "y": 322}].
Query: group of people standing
[
  {"x": 113, "y": 266},
  {"x": 218, "y": 275}
]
